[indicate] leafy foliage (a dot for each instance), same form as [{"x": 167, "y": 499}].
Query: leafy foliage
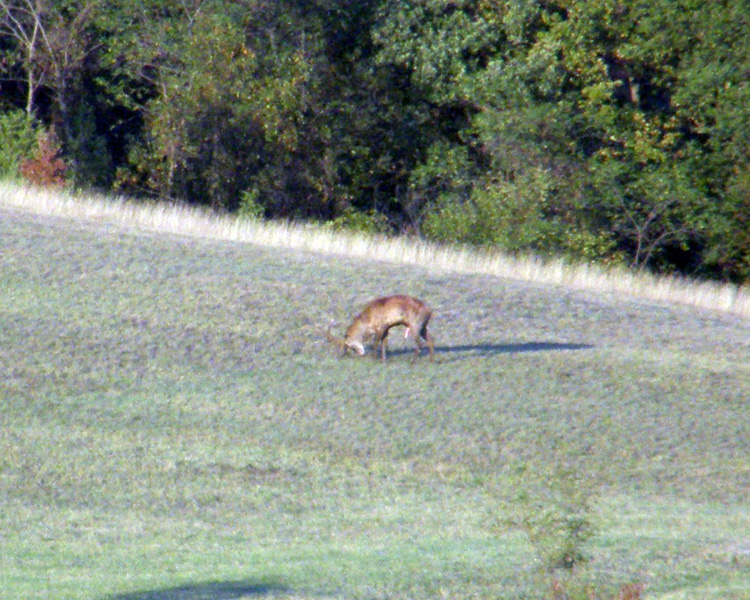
[
  {"x": 554, "y": 507},
  {"x": 46, "y": 167},
  {"x": 600, "y": 129},
  {"x": 18, "y": 139}
]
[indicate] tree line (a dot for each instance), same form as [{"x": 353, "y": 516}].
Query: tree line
[{"x": 615, "y": 131}]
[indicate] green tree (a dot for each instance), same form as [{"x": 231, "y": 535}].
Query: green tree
[
  {"x": 221, "y": 91},
  {"x": 577, "y": 132},
  {"x": 50, "y": 49},
  {"x": 18, "y": 139},
  {"x": 600, "y": 129},
  {"x": 712, "y": 99},
  {"x": 428, "y": 50}
]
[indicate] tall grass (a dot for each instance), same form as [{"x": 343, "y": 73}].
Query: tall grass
[{"x": 195, "y": 221}]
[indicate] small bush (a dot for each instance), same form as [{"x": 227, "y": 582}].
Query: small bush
[
  {"x": 18, "y": 139},
  {"x": 555, "y": 511},
  {"x": 527, "y": 215},
  {"x": 510, "y": 215},
  {"x": 553, "y": 505},
  {"x": 351, "y": 219},
  {"x": 46, "y": 168},
  {"x": 250, "y": 207}
]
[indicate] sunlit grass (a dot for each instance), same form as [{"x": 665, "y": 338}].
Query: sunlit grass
[
  {"x": 193, "y": 221},
  {"x": 175, "y": 426}
]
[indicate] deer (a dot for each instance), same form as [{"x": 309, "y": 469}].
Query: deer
[{"x": 376, "y": 320}]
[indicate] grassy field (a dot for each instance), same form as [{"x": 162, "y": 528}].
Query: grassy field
[{"x": 175, "y": 427}]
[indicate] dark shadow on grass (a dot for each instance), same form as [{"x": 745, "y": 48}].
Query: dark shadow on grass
[
  {"x": 485, "y": 349},
  {"x": 220, "y": 590},
  {"x": 492, "y": 349}
]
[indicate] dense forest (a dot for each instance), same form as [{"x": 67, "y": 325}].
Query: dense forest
[{"x": 615, "y": 131}]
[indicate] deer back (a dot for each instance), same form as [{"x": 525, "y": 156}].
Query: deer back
[{"x": 390, "y": 311}]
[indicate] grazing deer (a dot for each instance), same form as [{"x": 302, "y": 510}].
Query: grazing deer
[{"x": 376, "y": 320}]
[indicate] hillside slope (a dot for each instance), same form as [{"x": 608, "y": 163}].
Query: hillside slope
[{"x": 175, "y": 426}]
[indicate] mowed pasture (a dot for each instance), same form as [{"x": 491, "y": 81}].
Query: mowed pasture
[{"x": 174, "y": 426}]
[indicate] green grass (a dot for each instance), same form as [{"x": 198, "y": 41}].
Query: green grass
[{"x": 174, "y": 427}]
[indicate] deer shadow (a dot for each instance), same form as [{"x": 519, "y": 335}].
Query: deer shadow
[
  {"x": 219, "y": 590},
  {"x": 488, "y": 349},
  {"x": 492, "y": 349}
]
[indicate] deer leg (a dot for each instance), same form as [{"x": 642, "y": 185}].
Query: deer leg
[
  {"x": 418, "y": 351},
  {"x": 380, "y": 342},
  {"x": 430, "y": 345},
  {"x": 384, "y": 345},
  {"x": 427, "y": 338}
]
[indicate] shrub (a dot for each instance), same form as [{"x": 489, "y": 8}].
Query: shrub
[
  {"x": 46, "y": 167},
  {"x": 553, "y": 505},
  {"x": 18, "y": 139},
  {"x": 361, "y": 222},
  {"x": 512, "y": 216},
  {"x": 554, "y": 508},
  {"x": 250, "y": 207}
]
